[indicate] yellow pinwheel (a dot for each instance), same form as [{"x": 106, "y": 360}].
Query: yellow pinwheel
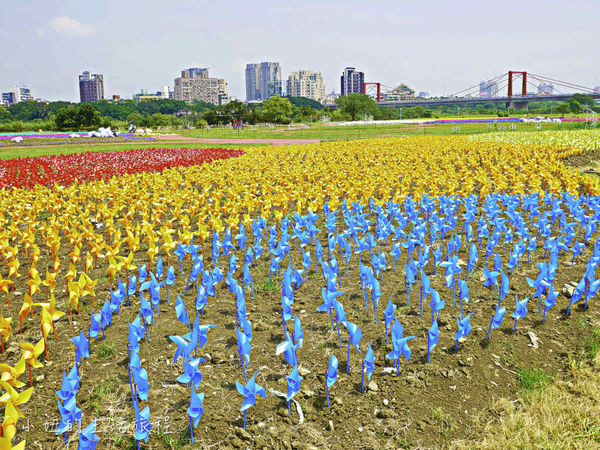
[
  {"x": 34, "y": 281},
  {"x": 26, "y": 309},
  {"x": 30, "y": 355},
  {"x": 11, "y": 374},
  {"x": 4, "y": 284},
  {"x": 9, "y": 424},
  {"x": 13, "y": 397},
  {"x": 5, "y": 329},
  {"x": 50, "y": 282}
]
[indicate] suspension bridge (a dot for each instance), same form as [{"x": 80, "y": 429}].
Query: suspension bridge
[{"x": 516, "y": 89}]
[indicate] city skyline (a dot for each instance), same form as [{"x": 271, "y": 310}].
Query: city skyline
[{"x": 458, "y": 47}]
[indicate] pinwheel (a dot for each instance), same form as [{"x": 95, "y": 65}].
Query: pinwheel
[
  {"x": 243, "y": 348},
  {"x": 591, "y": 289},
  {"x": 368, "y": 365},
  {"x": 191, "y": 373},
  {"x": 143, "y": 425},
  {"x": 328, "y": 299},
  {"x": 496, "y": 320},
  {"x": 452, "y": 269},
  {"x": 577, "y": 295},
  {"x": 331, "y": 375},
  {"x": 68, "y": 387},
  {"x": 293, "y": 386},
  {"x": 4, "y": 284},
  {"x": 491, "y": 279},
  {"x": 288, "y": 348},
  {"x": 432, "y": 339},
  {"x": 69, "y": 414},
  {"x": 472, "y": 260},
  {"x": 5, "y": 329},
  {"x": 26, "y": 309},
  {"x": 88, "y": 439},
  {"x": 82, "y": 349},
  {"x": 195, "y": 410},
  {"x": 436, "y": 304},
  {"x": 11, "y": 374},
  {"x": 388, "y": 317},
  {"x": 464, "y": 328},
  {"x": 399, "y": 345},
  {"x": 11, "y": 396},
  {"x": 520, "y": 310},
  {"x": 250, "y": 390},
  {"x": 30, "y": 355},
  {"x": 182, "y": 313},
  {"x": 354, "y": 337},
  {"x": 549, "y": 302}
]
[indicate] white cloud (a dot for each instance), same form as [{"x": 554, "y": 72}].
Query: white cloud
[{"x": 71, "y": 27}]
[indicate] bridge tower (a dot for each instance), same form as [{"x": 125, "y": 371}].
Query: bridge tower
[
  {"x": 520, "y": 104},
  {"x": 364, "y": 90}
]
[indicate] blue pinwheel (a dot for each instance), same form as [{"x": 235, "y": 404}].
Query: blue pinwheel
[
  {"x": 388, "y": 317},
  {"x": 399, "y": 347},
  {"x": 95, "y": 326},
  {"x": 191, "y": 372},
  {"x": 247, "y": 279},
  {"x": 182, "y": 348},
  {"x": 354, "y": 337},
  {"x": 250, "y": 390},
  {"x": 180, "y": 253},
  {"x": 577, "y": 294},
  {"x": 436, "y": 304},
  {"x": 140, "y": 378},
  {"x": 549, "y": 302},
  {"x": 504, "y": 287},
  {"x": 520, "y": 310},
  {"x": 496, "y": 320},
  {"x": 433, "y": 335},
  {"x": 170, "y": 280},
  {"x": 69, "y": 414},
  {"x": 68, "y": 388},
  {"x": 331, "y": 375},
  {"x": 143, "y": 425},
  {"x": 328, "y": 299},
  {"x": 368, "y": 366},
  {"x": 195, "y": 410},
  {"x": 298, "y": 334},
  {"x": 472, "y": 260},
  {"x": 288, "y": 348},
  {"x": 82, "y": 349},
  {"x": 182, "y": 313},
  {"x": 131, "y": 287},
  {"x": 243, "y": 348},
  {"x": 491, "y": 279},
  {"x": 464, "y": 328},
  {"x": 88, "y": 439},
  {"x": 293, "y": 386}
]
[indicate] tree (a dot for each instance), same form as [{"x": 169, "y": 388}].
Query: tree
[
  {"x": 66, "y": 118},
  {"x": 4, "y": 114},
  {"x": 277, "y": 110},
  {"x": 356, "y": 105},
  {"x": 563, "y": 108},
  {"x": 88, "y": 117}
]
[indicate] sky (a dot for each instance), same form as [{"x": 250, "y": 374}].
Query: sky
[{"x": 438, "y": 46}]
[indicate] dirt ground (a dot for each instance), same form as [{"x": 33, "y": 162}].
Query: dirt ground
[{"x": 427, "y": 406}]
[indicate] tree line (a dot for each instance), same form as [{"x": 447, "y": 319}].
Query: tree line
[{"x": 60, "y": 115}]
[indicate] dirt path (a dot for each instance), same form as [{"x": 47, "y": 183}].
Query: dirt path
[{"x": 178, "y": 138}]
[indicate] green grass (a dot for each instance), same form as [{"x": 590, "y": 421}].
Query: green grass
[
  {"x": 269, "y": 287},
  {"x": 331, "y": 132},
  {"x": 67, "y": 149},
  {"x": 592, "y": 346},
  {"x": 534, "y": 380},
  {"x": 105, "y": 350}
]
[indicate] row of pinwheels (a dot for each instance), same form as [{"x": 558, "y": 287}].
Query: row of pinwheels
[
  {"x": 49, "y": 139},
  {"x": 563, "y": 139},
  {"x": 91, "y": 166}
]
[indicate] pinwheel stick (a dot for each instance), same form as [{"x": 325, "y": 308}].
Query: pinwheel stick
[
  {"x": 487, "y": 336},
  {"x": 30, "y": 377},
  {"x": 2, "y": 341},
  {"x": 191, "y": 426},
  {"x": 245, "y": 415},
  {"x": 363, "y": 374},
  {"x": 428, "y": 351},
  {"x": 45, "y": 346},
  {"x": 145, "y": 328},
  {"x": 374, "y": 306},
  {"x": 348, "y": 358},
  {"x": 326, "y": 388},
  {"x": 386, "y": 335},
  {"x": 243, "y": 365}
]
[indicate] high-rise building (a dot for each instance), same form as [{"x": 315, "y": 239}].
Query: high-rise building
[
  {"x": 200, "y": 87},
  {"x": 195, "y": 72},
  {"x": 91, "y": 87},
  {"x": 252, "y": 82},
  {"x": 488, "y": 89},
  {"x": 306, "y": 83},
  {"x": 545, "y": 89},
  {"x": 263, "y": 81},
  {"x": 16, "y": 94},
  {"x": 352, "y": 81}
]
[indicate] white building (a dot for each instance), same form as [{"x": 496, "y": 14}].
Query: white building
[
  {"x": 200, "y": 87},
  {"x": 306, "y": 83},
  {"x": 16, "y": 94}
]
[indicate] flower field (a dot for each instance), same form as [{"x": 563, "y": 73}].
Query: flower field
[
  {"x": 91, "y": 166},
  {"x": 57, "y": 139},
  {"x": 581, "y": 139},
  {"x": 303, "y": 296}
]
